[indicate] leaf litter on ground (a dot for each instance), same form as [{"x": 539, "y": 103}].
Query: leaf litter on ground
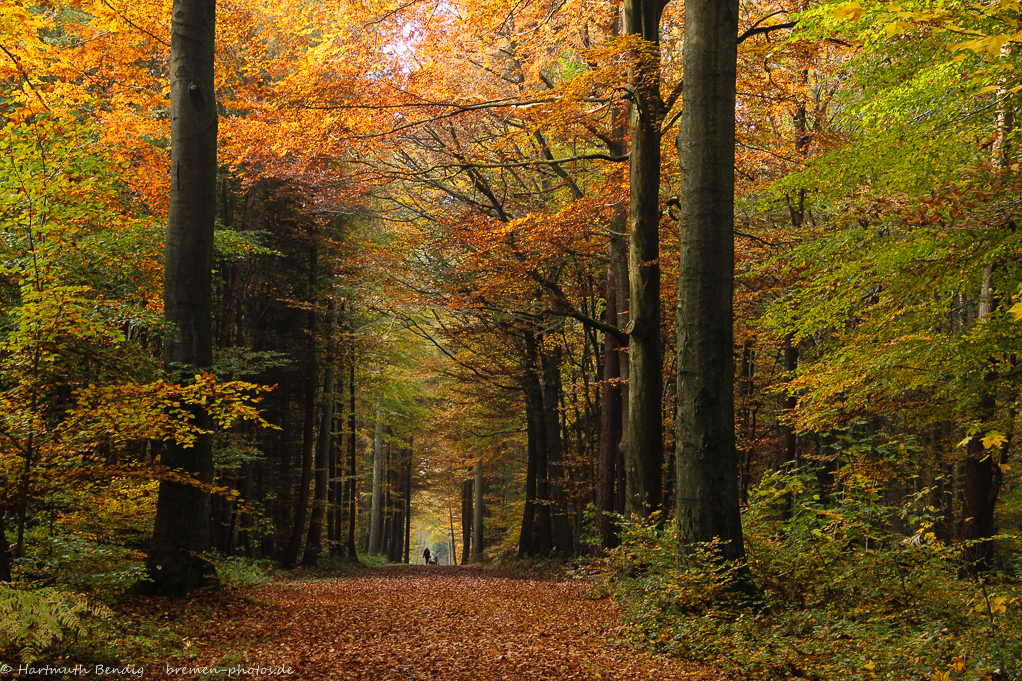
[{"x": 404, "y": 624}]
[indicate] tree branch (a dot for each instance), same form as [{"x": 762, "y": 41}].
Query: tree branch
[{"x": 758, "y": 30}]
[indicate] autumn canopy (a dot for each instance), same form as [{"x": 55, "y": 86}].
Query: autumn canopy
[{"x": 709, "y": 290}]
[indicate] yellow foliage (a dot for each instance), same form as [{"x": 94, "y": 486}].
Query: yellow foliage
[{"x": 849, "y": 11}]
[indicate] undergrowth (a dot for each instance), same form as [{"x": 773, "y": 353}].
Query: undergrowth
[
  {"x": 33, "y": 621},
  {"x": 841, "y": 594}
]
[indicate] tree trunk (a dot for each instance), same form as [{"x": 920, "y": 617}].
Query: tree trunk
[
  {"x": 454, "y": 543},
  {"x": 978, "y": 491},
  {"x": 376, "y": 519},
  {"x": 560, "y": 525},
  {"x": 314, "y": 544},
  {"x": 707, "y": 462},
  {"x": 466, "y": 522},
  {"x": 619, "y": 264},
  {"x": 335, "y": 487},
  {"x": 789, "y": 439},
  {"x": 182, "y": 527},
  {"x": 610, "y": 425},
  {"x": 644, "y": 457},
  {"x": 352, "y": 469},
  {"x": 534, "y": 404},
  {"x": 408, "y": 500},
  {"x": 294, "y": 545},
  {"x": 976, "y": 514},
  {"x": 526, "y": 546},
  {"x": 746, "y": 417},
  {"x": 477, "y": 521}
]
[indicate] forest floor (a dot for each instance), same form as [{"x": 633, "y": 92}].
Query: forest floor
[{"x": 402, "y": 623}]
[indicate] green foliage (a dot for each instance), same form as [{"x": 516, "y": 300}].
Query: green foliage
[
  {"x": 373, "y": 561},
  {"x": 910, "y": 202},
  {"x": 334, "y": 563},
  {"x": 844, "y": 595},
  {"x": 30, "y": 621},
  {"x": 78, "y": 562},
  {"x": 236, "y": 572},
  {"x": 230, "y": 244}
]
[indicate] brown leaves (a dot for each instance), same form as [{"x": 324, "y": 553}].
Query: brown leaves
[{"x": 427, "y": 623}]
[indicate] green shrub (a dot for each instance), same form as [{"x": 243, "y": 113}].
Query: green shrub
[
  {"x": 842, "y": 595},
  {"x": 236, "y": 572},
  {"x": 86, "y": 565},
  {"x": 31, "y": 621}
]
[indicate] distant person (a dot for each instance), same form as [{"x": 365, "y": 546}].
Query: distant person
[
  {"x": 425, "y": 555},
  {"x": 433, "y": 560}
]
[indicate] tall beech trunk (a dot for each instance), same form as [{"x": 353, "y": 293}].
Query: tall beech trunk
[
  {"x": 395, "y": 502},
  {"x": 376, "y": 517},
  {"x": 182, "y": 528},
  {"x": 294, "y": 545},
  {"x": 619, "y": 265},
  {"x": 477, "y": 519},
  {"x": 560, "y": 524},
  {"x": 789, "y": 439},
  {"x": 395, "y": 528},
  {"x": 408, "y": 499},
  {"x": 335, "y": 487},
  {"x": 747, "y": 418},
  {"x": 526, "y": 545},
  {"x": 454, "y": 543},
  {"x": 352, "y": 463},
  {"x": 978, "y": 490},
  {"x": 610, "y": 424},
  {"x": 644, "y": 457},
  {"x": 534, "y": 401},
  {"x": 466, "y": 522},
  {"x": 614, "y": 396},
  {"x": 707, "y": 462},
  {"x": 314, "y": 544}
]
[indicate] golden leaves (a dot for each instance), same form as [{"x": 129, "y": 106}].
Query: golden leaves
[
  {"x": 991, "y": 440},
  {"x": 850, "y": 11}
]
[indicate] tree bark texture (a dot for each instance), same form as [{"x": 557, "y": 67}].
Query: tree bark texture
[
  {"x": 644, "y": 457},
  {"x": 294, "y": 545},
  {"x": 408, "y": 499},
  {"x": 466, "y": 522},
  {"x": 182, "y": 527},
  {"x": 376, "y": 517},
  {"x": 477, "y": 520},
  {"x": 352, "y": 471},
  {"x": 560, "y": 525},
  {"x": 314, "y": 544},
  {"x": 978, "y": 489},
  {"x": 526, "y": 545},
  {"x": 543, "y": 542},
  {"x": 610, "y": 425},
  {"x": 707, "y": 464}
]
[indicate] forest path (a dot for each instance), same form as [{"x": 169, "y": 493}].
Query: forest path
[{"x": 419, "y": 622}]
